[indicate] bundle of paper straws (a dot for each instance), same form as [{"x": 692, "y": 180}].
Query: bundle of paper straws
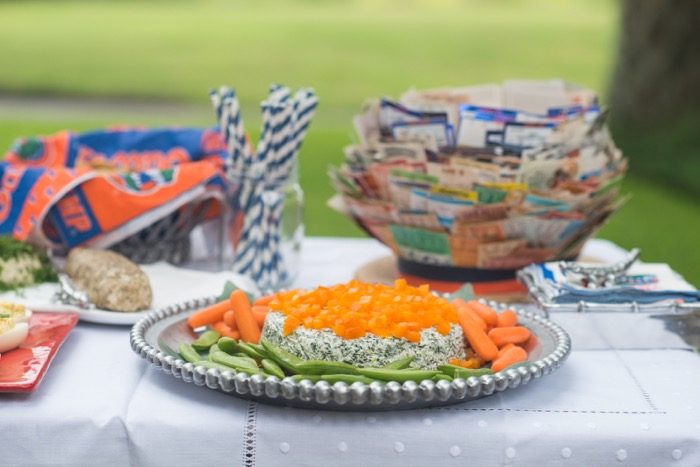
[{"x": 258, "y": 177}]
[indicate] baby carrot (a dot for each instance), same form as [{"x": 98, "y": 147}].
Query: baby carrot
[
  {"x": 249, "y": 329},
  {"x": 461, "y": 304},
  {"x": 509, "y": 356},
  {"x": 477, "y": 338},
  {"x": 485, "y": 311},
  {"x": 209, "y": 315},
  {"x": 509, "y": 335},
  {"x": 230, "y": 319},
  {"x": 260, "y": 313},
  {"x": 475, "y": 317},
  {"x": 531, "y": 343},
  {"x": 507, "y": 318},
  {"x": 226, "y": 330},
  {"x": 264, "y": 300},
  {"x": 504, "y": 349}
]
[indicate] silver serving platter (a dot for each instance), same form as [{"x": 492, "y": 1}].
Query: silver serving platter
[{"x": 157, "y": 336}]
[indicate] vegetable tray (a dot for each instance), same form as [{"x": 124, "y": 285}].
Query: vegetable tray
[{"x": 157, "y": 336}]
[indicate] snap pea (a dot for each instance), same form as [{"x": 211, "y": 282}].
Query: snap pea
[
  {"x": 312, "y": 378},
  {"x": 286, "y": 360},
  {"x": 397, "y": 375},
  {"x": 400, "y": 364},
  {"x": 251, "y": 351},
  {"x": 237, "y": 363},
  {"x": 188, "y": 353},
  {"x": 347, "y": 379},
  {"x": 442, "y": 376},
  {"x": 206, "y": 340},
  {"x": 467, "y": 372},
  {"x": 272, "y": 368},
  {"x": 212, "y": 350},
  {"x": 449, "y": 369},
  {"x": 228, "y": 345},
  {"x": 322, "y": 367},
  {"x": 259, "y": 348}
]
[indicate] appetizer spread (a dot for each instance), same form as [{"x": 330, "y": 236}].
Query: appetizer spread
[
  {"x": 356, "y": 332},
  {"x": 14, "y": 325},
  {"x": 22, "y": 265},
  {"x": 110, "y": 280}
]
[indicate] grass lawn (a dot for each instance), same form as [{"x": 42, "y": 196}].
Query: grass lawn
[
  {"x": 175, "y": 51},
  {"x": 347, "y": 50}
]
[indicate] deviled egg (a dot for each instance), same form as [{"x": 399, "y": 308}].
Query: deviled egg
[
  {"x": 16, "y": 311},
  {"x": 12, "y": 333}
]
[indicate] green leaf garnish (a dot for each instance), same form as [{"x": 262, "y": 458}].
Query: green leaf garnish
[
  {"x": 466, "y": 293},
  {"x": 229, "y": 288}
]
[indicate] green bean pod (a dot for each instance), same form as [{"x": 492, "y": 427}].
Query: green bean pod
[
  {"x": 249, "y": 350},
  {"x": 228, "y": 345},
  {"x": 258, "y": 348},
  {"x": 322, "y": 367},
  {"x": 397, "y": 375},
  {"x": 312, "y": 378},
  {"x": 441, "y": 376},
  {"x": 285, "y": 359},
  {"x": 272, "y": 368},
  {"x": 237, "y": 363},
  {"x": 449, "y": 369},
  {"x": 206, "y": 340},
  {"x": 349, "y": 379},
  {"x": 188, "y": 353},
  {"x": 401, "y": 363},
  {"x": 212, "y": 350}
]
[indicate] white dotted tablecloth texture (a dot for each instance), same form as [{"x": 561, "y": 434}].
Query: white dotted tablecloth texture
[{"x": 628, "y": 395}]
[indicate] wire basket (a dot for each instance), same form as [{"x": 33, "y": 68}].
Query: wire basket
[{"x": 168, "y": 239}]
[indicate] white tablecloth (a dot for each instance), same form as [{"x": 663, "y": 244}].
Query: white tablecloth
[{"x": 628, "y": 395}]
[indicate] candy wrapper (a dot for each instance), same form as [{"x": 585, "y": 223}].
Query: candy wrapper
[{"x": 476, "y": 182}]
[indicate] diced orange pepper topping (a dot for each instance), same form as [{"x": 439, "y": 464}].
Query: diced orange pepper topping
[{"x": 356, "y": 308}]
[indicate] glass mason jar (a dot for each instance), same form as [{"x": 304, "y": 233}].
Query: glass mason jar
[{"x": 264, "y": 228}]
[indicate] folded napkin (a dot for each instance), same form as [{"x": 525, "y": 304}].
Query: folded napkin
[
  {"x": 644, "y": 283},
  {"x": 100, "y": 187}
]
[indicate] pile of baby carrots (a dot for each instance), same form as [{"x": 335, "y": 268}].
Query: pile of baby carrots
[
  {"x": 235, "y": 317},
  {"x": 494, "y": 337}
]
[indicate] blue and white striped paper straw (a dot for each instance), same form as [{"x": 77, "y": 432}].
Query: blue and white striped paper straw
[
  {"x": 286, "y": 119},
  {"x": 306, "y": 103}
]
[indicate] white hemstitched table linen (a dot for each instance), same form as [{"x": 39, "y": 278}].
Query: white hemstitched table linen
[{"x": 628, "y": 395}]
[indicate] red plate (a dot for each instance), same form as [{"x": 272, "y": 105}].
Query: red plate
[{"x": 21, "y": 369}]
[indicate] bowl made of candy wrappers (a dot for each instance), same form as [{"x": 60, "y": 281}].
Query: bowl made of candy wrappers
[
  {"x": 141, "y": 192},
  {"x": 470, "y": 184}
]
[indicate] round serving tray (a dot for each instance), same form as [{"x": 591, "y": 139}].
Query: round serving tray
[{"x": 157, "y": 336}]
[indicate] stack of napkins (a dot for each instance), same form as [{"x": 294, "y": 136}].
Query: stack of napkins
[{"x": 643, "y": 283}]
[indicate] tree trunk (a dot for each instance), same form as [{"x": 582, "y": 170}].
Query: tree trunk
[{"x": 657, "y": 76}]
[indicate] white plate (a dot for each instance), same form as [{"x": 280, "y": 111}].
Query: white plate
[
  {"x": 39, "y": 298},
  {"x": 169, "y": 284}
]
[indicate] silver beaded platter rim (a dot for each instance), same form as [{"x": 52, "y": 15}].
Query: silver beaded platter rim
[{"x": 147, "y": 335}]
